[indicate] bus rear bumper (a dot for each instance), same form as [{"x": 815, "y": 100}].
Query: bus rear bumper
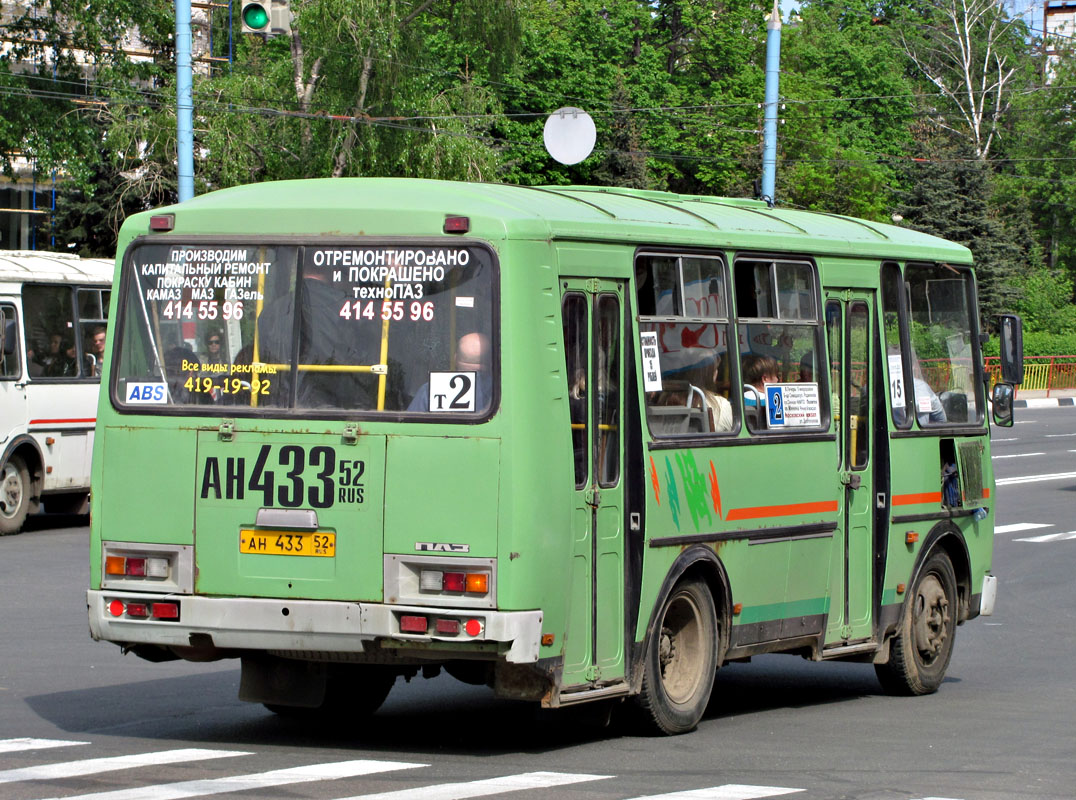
[{"x": 260, "y": 624}]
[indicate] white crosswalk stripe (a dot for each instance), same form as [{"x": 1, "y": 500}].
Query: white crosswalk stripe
[
  {"x": 1049, "y": 537},
  {"x": 92, "y": 766},
  {"x": 17, "y": 745},
  {"x": 258, "y": 780},
  {"x": 1021, "y": 526},
  {"x": 1052, "y": 476},
  {"x": 509, "y": 783},
  {"x": 730, "y": 791}
]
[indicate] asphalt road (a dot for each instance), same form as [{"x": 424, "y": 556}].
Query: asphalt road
[{"x": 78, "y": 719}]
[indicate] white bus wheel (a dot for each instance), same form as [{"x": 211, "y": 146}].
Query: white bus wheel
[{"x": 14, "y": 495}]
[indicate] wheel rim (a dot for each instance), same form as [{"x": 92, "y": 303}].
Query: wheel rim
[
  {"x": 10, "y": 491},
  {"x": 680, "y": 652},
  {"x": 931, "y": 619}
]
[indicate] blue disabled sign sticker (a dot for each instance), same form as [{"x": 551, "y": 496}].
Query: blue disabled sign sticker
[{"x": 792, "y": 405}]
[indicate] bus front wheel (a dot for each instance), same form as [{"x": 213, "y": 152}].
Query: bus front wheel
[
  {"x": 680, "y": 661},
  {"x": 14, "y": 495},
  {"x": 920, "y": 651}
]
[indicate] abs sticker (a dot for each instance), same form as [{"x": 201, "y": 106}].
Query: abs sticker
[
  {"x": 145, "y": 393},
  {"x": 452, "y": 391}
]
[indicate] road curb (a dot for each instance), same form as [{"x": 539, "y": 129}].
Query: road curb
[{"x": 1045, "y": 402}]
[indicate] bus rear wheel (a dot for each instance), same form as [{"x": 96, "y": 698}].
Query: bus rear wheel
[
  {"x": 14, "y": 495},
  {"x": 349, "y": 693},
  {"x": 681, "y": 660},
  {"x": 920, "y": 651}
]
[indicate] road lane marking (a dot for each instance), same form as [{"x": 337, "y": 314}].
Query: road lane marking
[
  {"x": 1053, "y": 476},
  {"x": 509, "y": 783},
  {"x": 730, "y": 791},
  {"x": 1057, "y": 435},
  {"x": 1021, "y": 526},
  {"x": 1013, "y": 439},
  {"x": 92, "y": 766},
  {"x": 1049, "y": 537},
  {"x": 17, "y": 745},
  {"x": 1019, "y": 455},
  {"x": 257, "y": 780}
]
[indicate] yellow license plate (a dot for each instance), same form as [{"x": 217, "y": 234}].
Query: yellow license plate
[{"x": 288, "y": 543}]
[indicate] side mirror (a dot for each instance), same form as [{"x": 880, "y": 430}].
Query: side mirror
[
  {"x": 9, "y": 337},
  {"x": 1002, "y": 397},
  {"x": 1011, "y": 330}
]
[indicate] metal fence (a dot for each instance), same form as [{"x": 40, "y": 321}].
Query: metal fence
[{"x": 1040, "y": 372}]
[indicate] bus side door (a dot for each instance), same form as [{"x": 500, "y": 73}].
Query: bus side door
[
  {"x": 849, "y": 329},
  {"x": 593, "y": 316}
]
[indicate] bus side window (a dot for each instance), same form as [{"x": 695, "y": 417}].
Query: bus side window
[
  {"x": 51, "y": 335},
  {"x": 780, "y": 335},
  {"x": 683, "y": 316},
  {"x": 9, "y": 352}
]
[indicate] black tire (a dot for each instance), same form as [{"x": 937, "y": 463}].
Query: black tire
[
  {"x": 681, "y": 659},
  {"x": 920, "y": 651},
  {"x": 14, "y": 495},
  {"x": 350, "y": 693}
]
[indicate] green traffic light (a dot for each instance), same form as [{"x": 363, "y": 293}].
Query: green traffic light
[{"x": 255, "y": 16}]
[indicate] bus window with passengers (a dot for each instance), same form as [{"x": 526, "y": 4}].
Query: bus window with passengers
[
  {"x": 777, "y": 307},
  {"x": 574, "y": 444},
  {"x": 299, "y": 329},
  {"x": 684, "y": 322}
]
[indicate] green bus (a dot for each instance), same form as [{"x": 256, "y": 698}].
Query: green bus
[{"x": 574, "y": 443}]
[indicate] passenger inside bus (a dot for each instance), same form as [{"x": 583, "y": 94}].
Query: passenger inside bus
[
  {"x": 758, "y": 370},
  {"x": 691, "y": 399},
  {"x": 95, "y": 360},
  {"x": 472, "y": 355},
  {"x": 214, "y": 354},
  {"x": 928, "y": 406},
  {"x": 56, "y": 361}
]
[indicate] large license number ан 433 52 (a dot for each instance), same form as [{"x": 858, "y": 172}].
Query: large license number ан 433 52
[{"x": 298, "y": 477}]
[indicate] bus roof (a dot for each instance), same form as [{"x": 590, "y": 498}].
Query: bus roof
[
  {"x": 36, "y": 266},
  {"x": 373, "y": 206}
]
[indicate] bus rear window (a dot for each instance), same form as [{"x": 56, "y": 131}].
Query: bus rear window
[{"x": 325, "y": 327}]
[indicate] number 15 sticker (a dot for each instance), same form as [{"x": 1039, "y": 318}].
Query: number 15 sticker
[{"x": 452, "y": 391}]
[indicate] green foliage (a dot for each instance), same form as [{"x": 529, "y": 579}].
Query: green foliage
[
  {"x": 948, "y": 194},
  {"x": 849, "y": 120},
  {"x": 1039, "y": 344},
  {"x": 1045, "y": 302}
]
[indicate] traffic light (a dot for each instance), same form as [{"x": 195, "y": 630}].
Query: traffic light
[
  {"x": 267, "y": 17},
  {"x": 255, "y": 15}
]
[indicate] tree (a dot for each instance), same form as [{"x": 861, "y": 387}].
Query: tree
[
  {"x": 948, "y": 194},
  {"x": 848, "y": 104},
  {"x": 969, "y": 50}
]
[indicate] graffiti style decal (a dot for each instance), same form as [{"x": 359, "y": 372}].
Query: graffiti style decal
[
  {"x": 674, "y": 497},
  {"x": 694, "y": 489},
  {"x": 654, "y": 481},
  {"x": 715, "y": 492}
]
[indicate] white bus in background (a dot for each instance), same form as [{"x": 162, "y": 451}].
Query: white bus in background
[{"x": 53, "y": 317}]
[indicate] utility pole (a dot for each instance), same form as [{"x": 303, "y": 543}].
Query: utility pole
[
  {"x": 773, "y": 82},
  {"x": 184, "y": 101}
]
